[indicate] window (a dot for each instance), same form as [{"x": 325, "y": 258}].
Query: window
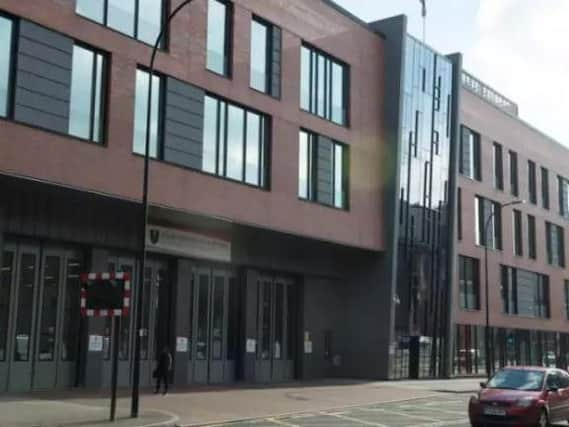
[
  {"x": 141, "y": 19},
  {"x": 6, "y": 31},
  {"x": 567, "y": 299},
  {"x": 545, "y": 188},
  {"x": 141, "y": 111},
  {"x": 488, "y": 216},
  {"x": 525, "y": 293},
  {"x": 235, "y": 142},
  {"x": 324, "y": 87},
  {"x": 469, "y": 283},
  {"x": 469, "y": 162},
  {"x": 219, "y": 37},
  {"x": 555, "y": 244},
  {"x": 459, "y": 210},
  {"x": 265, "y": 57},
  {"x": 514, "y": 184},
  {"x": 517, "y": 232},
  {"x": 323, "y": 170},
  {"x": 563, "y": 196},
  {"x": 532, "y": 182},
  {"x": 531, "y": 237},
  {"x": 87, "y": 94},
  {"x": 498, "y": 167}
]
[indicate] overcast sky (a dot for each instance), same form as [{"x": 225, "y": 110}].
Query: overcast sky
[{"x": 519, "y": 47}]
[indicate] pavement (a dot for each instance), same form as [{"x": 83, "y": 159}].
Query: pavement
[{"x": 322, "y": 403}]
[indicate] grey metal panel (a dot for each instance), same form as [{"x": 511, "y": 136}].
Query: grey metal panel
[
  {"x": 324, "y": 171},
  {"x": 183, "y": 124},
  {"x": 43, "y": 77},
  {"x": 276, "y": 62}
]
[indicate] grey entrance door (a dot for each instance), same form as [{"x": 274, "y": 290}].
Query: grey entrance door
[
  {"x": 275, "y": 329},
  {"x": 39, "y": 328},
  {"x": 212, "y": 337}
]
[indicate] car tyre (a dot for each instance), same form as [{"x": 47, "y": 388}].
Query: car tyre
[{"x": 543, "y": 420}]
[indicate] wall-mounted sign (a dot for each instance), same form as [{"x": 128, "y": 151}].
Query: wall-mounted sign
[
  {"x": 181, "y": 345},
  {"x": 187, "y": 244},
  {"x": 251, "y": 345},
  {"x": 95, "y": 343},
  {"x": 308, "y": 347}
]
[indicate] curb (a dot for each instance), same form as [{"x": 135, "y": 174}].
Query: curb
[{"x": 286, "y": 414}]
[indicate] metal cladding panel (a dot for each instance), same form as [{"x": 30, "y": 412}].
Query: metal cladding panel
[
  {"x": 43, "y": 77},
  {"x": 324, "y": 171},
  {"x": 183, "y": 124},
  {"x": 276, "y": 62}
]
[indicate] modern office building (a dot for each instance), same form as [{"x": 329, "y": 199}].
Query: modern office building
[{"x": 304, "y": 218}]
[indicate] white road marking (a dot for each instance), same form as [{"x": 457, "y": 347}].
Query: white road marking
[
  {"x": 354, "y": 420},
  {"x": 442, "y": 423},
  {"x": 281, "y": 423},
  {"x": 403, "y": 414}
]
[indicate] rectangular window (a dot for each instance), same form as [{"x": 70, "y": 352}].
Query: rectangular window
[
  {"x": 219, "y": 15},
  {"x": 555, "y": 244},
  {"x": 141, "y": 111},
  {"x": 323, "y": 170},
  {"x": 470, "y": 156},
  {"x": 324, "y": 86},
  {"x": 545, "y": 188},
  {"x": 517, "y": 232},
  {"x": 531, "y": 237},
  {"x": 469, "y": 283},
  {"x": 498, "y": 167},
  {"x": 459, "y": 215},
  {"x": 488, "y": 216},
  {"x": 563, "y": 187},
  {"x": 141, "y": 19},
  {"x": 87, "y": 94},
  {"x": 265, "y": 57},
  {"x": 235, "y": 142},
  {"x": 567, "y": 299},
  {"x": 525, "y": 293},
  {"x": 514, "y": 183},
  {"x": 532, "y": 182},
  {"x": 6, "y": 42}
]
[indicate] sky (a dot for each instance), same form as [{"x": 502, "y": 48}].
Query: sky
[{"x": 518, "y": 47}]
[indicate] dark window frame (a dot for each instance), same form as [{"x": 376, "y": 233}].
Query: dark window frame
[
  {"x": 474, "y": 269},
  {"x": 566, "y": 283},
  {"x": 10, "y": 95},
  {"x": 166, "y": 7},
  {"x": 510, "y": 295},
  {"x": 532, "y": 242},
  {"x": 498, "y": 153},
  {"x": 228, "y": 42},
  {"x": 268, "y": 60},
  {"x": 563, "y": 196},
  {"x": 532, "y": 182},
  {"x": 475, "y": 154},
  {"x": 328, "y": 94},
  {"x": 497, "y": 235},
  {"x": 517, "y": 229},
  {"x": 459, "y": 212},
  {"x": 545, "y": 188},
  {"x": 550, "y": 230},
  {"x": 312, "y": 179},
  {"x": 514, "y": 173}
]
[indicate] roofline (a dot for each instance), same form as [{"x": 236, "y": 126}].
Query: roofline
[{"x": 348, "y": 14}]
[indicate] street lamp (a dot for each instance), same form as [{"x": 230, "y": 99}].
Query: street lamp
[
  {"x": 144, "y": 223},
  {"x": 490, "y": 351}
]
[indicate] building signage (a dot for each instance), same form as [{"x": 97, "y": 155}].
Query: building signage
[
  {"x": 95, "y": 343},
  {"x": 183, "y": 243},
  {"x": 181, "y": 345}
]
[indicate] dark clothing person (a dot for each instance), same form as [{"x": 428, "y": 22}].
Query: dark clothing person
[{"x": 163, "y": 369}]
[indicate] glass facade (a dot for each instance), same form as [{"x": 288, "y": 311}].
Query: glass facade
[
  {"x": 219, "y": 37},
  {"x": 87, "y": 97},
  {"x": 6, "y": 29},
  {"x": 324, "y": 86},
  {"x": 140, "y": 19},
  {"x": 423, "y": 254}
]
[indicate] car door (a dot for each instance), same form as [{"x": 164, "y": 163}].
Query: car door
[
  {"x": 564, "y": 391},
  {"x": 554, "y": 396}
]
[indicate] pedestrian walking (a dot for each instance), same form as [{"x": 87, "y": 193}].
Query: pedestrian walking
[{"x": 163, "y": 368}]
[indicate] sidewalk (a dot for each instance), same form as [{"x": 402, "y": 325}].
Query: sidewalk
[{"x": 208, "y": 405}]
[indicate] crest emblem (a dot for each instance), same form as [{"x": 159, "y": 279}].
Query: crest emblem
[{"x": 154, "y": 236}]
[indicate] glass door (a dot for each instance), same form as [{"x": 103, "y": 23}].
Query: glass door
[{"x": 7, "y": 285}]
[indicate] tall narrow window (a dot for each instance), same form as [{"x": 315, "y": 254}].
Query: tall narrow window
[
  {"x": 7, "y": 274},
  {"x": 555, "y": 244},
  {"x": 265, "y": 57},
  {"x": 324, "y": 86},
  {"x": 514, "y": 185},
  {"x": 567, "y": 299},
  {"x": 469, "y": 283},
  {"x": 459, "y": 211},
  {"x": 531, "y": 237},
  {"x": 498, "y": 167},
  {"x": 545, "y": 188},
  {"x": 488, "y": 226},
  {"x": 87, "y": 87},
  {"x": 563, "y": 186},
  {"x": 235, "y": 142},
  {"x": 140, "y": 19},
  {"x": 219, "y": 36},
  {"x": 469, "y": 155},
  {"x": 532, "y": 182},
  {"x": 517, "y": 232},
  {"x": 141, "y": 111},
  {"x": 6, "y": 29},
  {"x": 323, "y": 170}
]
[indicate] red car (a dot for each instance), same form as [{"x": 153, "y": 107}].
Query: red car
[{"x": 521, "y": 396}]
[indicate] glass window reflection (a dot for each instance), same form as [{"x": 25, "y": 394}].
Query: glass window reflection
[
  {"x": 120, "y": 16},
  {"x": 92, "y": 9},
  {"x": 140, "y": 113},
  {"x": 6, "y": 27},
  {"x": 217, "y": 55},
  {"x": 149, "y": 20},
  {"x": 259, "y": 48},
  {"x": 235, "y": 123}
]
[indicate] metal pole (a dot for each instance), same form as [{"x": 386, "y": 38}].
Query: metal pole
[
  {"x": 115, "y": 368},
  {"x": 138, "y": 309},
  {"x": 487, "y": 329}
]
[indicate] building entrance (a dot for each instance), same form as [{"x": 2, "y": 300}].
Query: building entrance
[{"x": 39, "y": 317}]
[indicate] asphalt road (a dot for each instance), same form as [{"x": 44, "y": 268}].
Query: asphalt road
[{"x": 441, "y": 411}]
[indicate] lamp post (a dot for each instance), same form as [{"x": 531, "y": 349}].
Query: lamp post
[
  {"x": 490, "y": 351},
  {"x": 139, "y": 300}
]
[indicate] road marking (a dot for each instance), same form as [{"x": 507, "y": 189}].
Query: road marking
[
  {"x": 354, "y": 420},
  {"x": 442, "y": 423},
  {"x": 403, "y": 414},
  {"x": 281, "y": 423}
]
